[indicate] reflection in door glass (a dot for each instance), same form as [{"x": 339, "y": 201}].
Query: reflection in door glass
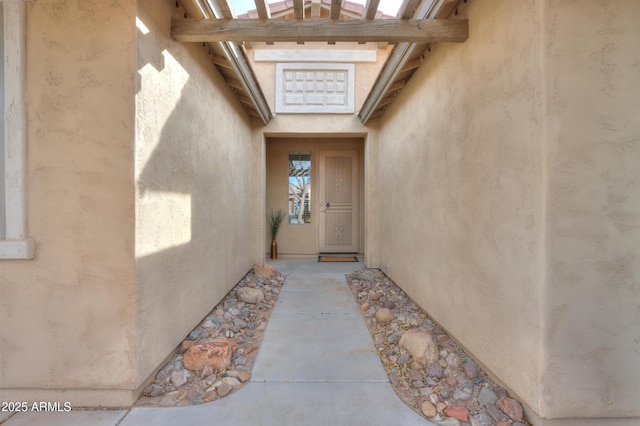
[{"x": 300, "y": 187}]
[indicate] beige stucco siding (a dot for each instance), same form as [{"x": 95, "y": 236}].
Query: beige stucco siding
[
  {"x": 193, "y": 187},
  {"x": 461, "y": 190},
  {"x": 302, "y": 238},
  {"x": 509, "y": 201},
  {"x": 68, "y": 315},
  {"x": 592, "y": 356}
]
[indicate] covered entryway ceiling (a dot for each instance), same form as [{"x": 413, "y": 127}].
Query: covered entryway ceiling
[{"x": 417, "y": 24}]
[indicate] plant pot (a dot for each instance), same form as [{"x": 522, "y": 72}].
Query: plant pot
[{"x": 274, "y": 249}]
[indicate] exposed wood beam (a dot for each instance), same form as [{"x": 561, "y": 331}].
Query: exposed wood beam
[
  {"x": 283, "y": 30},
  {"x": 395, "y": 62},
  {"x": 446, "y": 9},
  {"x": 221, "y": 61},
  {"x": 413, "y": 64},
  {"x": 336, "y": 7},
  {"x": 298, "y": 9},
  {"x": 239, "y": 63},
  {"x": 263, "y": 9},
  {"x": 226, "y": 8},
  {"x": 315, "y": 8},
  {"x": 397, "y": 86},
  {"x": 408, "y": 8},
  {"x": 236, "y": 84},
  {"x": 370, "y": 9}
]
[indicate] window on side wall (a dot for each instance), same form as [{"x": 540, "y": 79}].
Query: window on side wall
[
  {"x": 14, "y": 243},
  {"x": 299, "y": 187}
]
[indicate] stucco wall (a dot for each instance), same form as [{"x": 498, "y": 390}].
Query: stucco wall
[
  {"x": 461, "y": 190},
  {"x": 509, "y": 201},
  {"x": 316, "y": 126},
  {"x": 193, "y": 186},
  {"x": 592, "y": 314},
  {"x": 301, "y": 238},
  {"x": 68, "y": 315}
]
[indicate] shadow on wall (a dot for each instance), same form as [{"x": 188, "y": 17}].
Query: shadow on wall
[{"x": 193, "y": 177}]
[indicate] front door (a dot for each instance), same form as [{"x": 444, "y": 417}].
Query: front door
[{"x": 338, "y": 197}]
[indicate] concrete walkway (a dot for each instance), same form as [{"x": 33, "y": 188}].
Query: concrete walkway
[{"x": 316, "y": 366}]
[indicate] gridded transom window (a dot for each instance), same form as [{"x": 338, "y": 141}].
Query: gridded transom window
[{"x": 319, "y": 88}]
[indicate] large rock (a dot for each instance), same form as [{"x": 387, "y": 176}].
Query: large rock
[
  {"x": 250, "y": 295},
  {"x": 214, "y": 353},
  {"x": 265, "y": 271},
  {"x": 420, "y": 345}
]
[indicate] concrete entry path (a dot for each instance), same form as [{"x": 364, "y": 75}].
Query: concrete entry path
[{"x": 317, "y": 364}]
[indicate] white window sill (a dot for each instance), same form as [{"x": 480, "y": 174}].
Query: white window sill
[{"x": 17, "y": 249}]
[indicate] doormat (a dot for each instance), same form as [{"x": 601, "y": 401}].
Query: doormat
[{"x": 337, "y": 259}]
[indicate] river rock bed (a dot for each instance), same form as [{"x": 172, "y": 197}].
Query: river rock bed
[
  {"x": 217, "y": 357},
  {"x": 446, "y": 387}
]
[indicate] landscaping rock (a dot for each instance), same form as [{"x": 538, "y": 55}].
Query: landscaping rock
[
  {"x": 265, "y": 271},
  {"x": 457, "y": 412},
  {"x": 215, "y": 353},
  {"x": 487, "y": 397},
  {"x": 384, "y": 315},
  {"x": 428, "y": 409},
  {"x": 420, "y": 345},
  {"x": 250, "y": 295},
  {"x": 511, "y": 408}
]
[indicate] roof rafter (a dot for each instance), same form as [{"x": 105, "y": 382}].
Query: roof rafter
[
  {"x": 280, "y": 30},
  {"x": 264, "y": 12},
  {"x": 226, "y": 8},
  {"x": 238, "y": 61},
  {"x": 336, "y": 7},
  {"x": 370, "y": 9},
  {"x": 400, "y": 55},
  {"x": 408, "y": 9},
  {"x": 298, "y": 8}
]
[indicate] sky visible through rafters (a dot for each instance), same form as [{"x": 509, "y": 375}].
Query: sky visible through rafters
[{"x": 389, "y": 7}]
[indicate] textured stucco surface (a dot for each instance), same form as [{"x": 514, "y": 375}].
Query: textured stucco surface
[
  {"x": 295, "y": 238},
  {"x": 509, "y": 201},
  {"x": 592, "y": 341},
  {"x": 68, "y": 315},
  {"x": 460, "y": 186},
  {"x": 304, "y": 126},
  {"x": 193, "y": 187}
]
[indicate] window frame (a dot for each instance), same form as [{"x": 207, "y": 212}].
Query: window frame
[
  {"x": 307, "y": 197},
  {"x": 15, "y": 244}
]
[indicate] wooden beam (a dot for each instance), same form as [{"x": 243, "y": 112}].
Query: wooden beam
[
  {"x": 298, "y": 9},
  {"x": 336, "y": 7},
  {"x": 315, "y": 8},
  {"x": 370, "y": 9},
  {"x": 226, "y": 8},
  {"x": 221, "y": 61},
  {"x": 236, "y": 84},
  {"x": 281, "y": 30},
  {"x": 263, "y": 9},
  {"x": 446, "y": 9},
  {"x": 397, "y": 86},
  {"x": 413, "y": 64},
  {"x": 408, "y": 9}
]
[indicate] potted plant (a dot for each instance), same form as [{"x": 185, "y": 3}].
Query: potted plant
[{"x": 275, "y": 220}]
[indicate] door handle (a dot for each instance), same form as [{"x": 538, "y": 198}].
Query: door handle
[{"x": 328, "y": 205}]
